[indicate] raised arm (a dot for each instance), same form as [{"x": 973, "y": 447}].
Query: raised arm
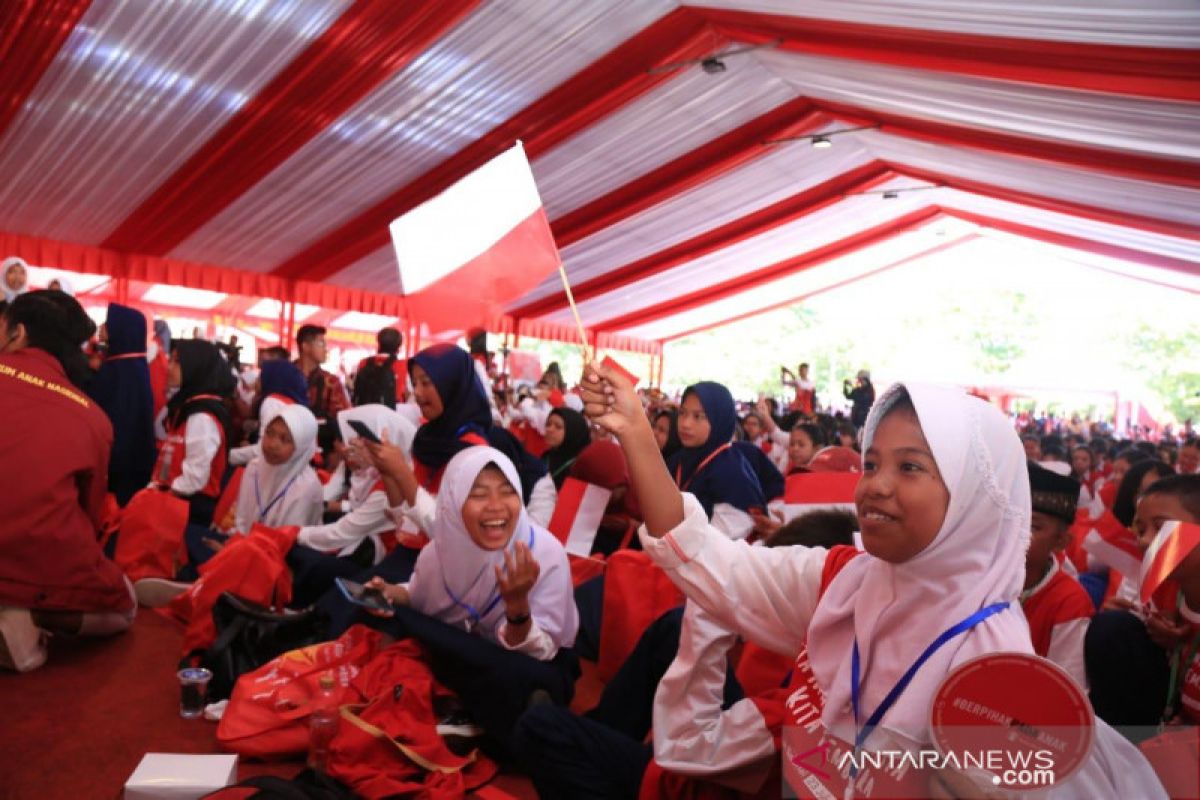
[
  {"x": 610, "y": 401},
  {"x": 765, "y": 594}
]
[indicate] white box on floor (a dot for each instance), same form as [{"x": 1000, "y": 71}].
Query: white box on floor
[{"x": 176, "y": 776}]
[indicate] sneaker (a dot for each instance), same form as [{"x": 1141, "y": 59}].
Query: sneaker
[
  {"x": 458, "y": 724},
  {"x": 157, "y": 592},
  {"x": 22, "y": 644}
]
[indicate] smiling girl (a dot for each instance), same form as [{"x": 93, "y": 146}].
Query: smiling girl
[
  {"x": 491, "y": 594},
  {"x": 944, "y": 504}
]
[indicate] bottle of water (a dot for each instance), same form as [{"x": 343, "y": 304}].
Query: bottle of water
[{"x": 322, "y": 724}]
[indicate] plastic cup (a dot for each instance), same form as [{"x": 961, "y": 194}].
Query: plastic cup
[{"x": 193, "y": 691}]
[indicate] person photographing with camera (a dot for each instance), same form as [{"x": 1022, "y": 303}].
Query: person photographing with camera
[{"x": 861, "y": 394}]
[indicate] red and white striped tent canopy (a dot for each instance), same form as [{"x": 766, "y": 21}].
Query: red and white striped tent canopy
[{"x": 261, "y": 147}]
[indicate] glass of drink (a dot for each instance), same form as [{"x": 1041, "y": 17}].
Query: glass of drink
[{"x": 193, "y": 690}]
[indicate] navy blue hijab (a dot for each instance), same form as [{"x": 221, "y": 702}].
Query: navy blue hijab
[
  {"x": 770, "y": 479},
  {"x": 282, "y": 377},
  {"x": 728, "y": 477},
  {"x": 122, "y": 388},
  {"x": 465, "y": 410}
]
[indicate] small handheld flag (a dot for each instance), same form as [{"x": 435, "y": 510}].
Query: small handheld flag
[{"x": 1175, "y": 540}]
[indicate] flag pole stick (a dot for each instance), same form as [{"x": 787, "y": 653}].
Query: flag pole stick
[{"x": 587, "y": 350}]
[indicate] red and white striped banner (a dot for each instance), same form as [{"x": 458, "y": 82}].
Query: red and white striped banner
[
  {"x": 577, "y": 515},
  {"x": 1113, "y": 545}
]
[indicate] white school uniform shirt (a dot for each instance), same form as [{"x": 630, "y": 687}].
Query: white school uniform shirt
[
  {"x": 368, "y": 517},
  {"x": 287, "y": 494},
  {"x": 535, "y": 412},
  {"x": 454, "y": 579},
  {"x": 692, "y": 735},
  {"x": 779, "y": 440}
]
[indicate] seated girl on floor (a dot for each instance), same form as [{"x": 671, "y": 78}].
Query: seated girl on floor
[
  {"x": 352, "y": 542},
  {"x": 192, "y": 461},
  {"x": 280, "y": 487},
  {"x": 281, "y": 383},
  {"x": 944, "y": 505},
  {"x": 494, "y": 581}
]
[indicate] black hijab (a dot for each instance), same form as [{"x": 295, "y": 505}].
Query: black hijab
[
  {"x": 575, "y": 437},
  {"x": 465, "y": 410},
  {"x": 206, "y": 381}
]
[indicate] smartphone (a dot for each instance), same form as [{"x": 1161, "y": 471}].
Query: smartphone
[
  {"x": 360, "y": 427},
  {"x": 363, "y": 596}
]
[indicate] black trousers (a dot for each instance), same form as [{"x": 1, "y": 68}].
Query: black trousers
[
  {"x": 495, "y": 685},
  {"x": 313, "y": 572},
  {"x": 602, "y": 754},
  {"x": 572, "y": 757},
  {"x": 1128, "y": 673}
]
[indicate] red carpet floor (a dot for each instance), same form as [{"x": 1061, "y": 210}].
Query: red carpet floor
[{"x": 76, "y": 728}]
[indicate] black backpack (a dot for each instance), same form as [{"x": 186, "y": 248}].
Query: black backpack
[{"x": 376, "y": 383}]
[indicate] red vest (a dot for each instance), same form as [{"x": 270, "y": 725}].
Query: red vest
[
  {"x": 1060, "y": 600},
  {"x": 174, "y": 453}
]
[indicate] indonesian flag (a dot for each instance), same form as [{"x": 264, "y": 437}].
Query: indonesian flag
[
  {"x": 477, "y": 246},
  {"x": 813, "y": 491},
  {"x": 612, "y": 364},
  {"x": 577, "y": 515},
  {"x": 1114, "y": 545},
  {"x": 1170, "y": 547}
]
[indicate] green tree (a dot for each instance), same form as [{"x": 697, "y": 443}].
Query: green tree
[
  {"x": 1169, "y": 363},
  {"x": 996, "y": 332}
]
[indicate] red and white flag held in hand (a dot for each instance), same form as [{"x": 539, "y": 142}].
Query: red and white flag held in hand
[
  {"x": 1168, "y": 550},
  {"x": 476, "y": 247},
  {"x": 577, "y": 515},
  {"x": 1113, "y": 545}
]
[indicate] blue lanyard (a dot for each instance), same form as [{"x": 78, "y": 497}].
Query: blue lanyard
[
  {"x": 474, "y": 613},
  {"x": 865, "y": 730},
  {"x": 262, "y": 512}
]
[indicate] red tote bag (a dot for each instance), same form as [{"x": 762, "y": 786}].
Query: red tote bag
[
  {"x": 267, "y": 715},
  {"x": 636, "y": 592},
  {"x": 252, "y": 567},
  {"x": 150, "y": 544}
]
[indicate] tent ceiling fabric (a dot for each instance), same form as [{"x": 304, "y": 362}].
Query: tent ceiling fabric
[{"x": 228, "y": 144}]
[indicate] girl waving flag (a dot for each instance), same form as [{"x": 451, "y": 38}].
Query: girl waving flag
[{"x": 944, "y": 505}]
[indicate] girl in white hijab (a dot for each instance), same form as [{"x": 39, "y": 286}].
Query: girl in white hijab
[
  {"x": 352, "y": 542},
  {"x": 279, "y": 488},
  {"x": 490, "y": 570},
  {"x": 944, "y": 505},
  {"x": 14, "y": 278},
  {"x": 367, "y": 501}
]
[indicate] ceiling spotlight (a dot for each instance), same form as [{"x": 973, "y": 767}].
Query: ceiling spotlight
[
  {"x": 713, "y": 65},
  {"x": 822, "y": 142},
  {"x": 890, "y": 195}
]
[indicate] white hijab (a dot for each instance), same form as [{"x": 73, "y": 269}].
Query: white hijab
[
  {"x": 272, "y": 494},
  {"x": 9, "y": 263},
  {"x": 978, "y": 558},
  {"x": 455, "y": 580},
  {"x": 380, "y": 419}
]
